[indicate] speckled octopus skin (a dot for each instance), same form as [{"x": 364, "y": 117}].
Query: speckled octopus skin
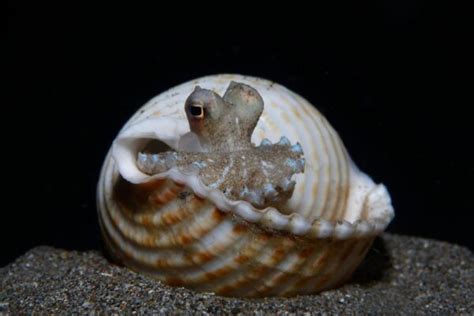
[
  {"x": 172, "y": 221},
  {"x": 260, "y": 175}
]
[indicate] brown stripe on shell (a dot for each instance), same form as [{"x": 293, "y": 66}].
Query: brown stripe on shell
[
  {"x": 143, "y": 208},
  {"x": 254, "y": 281},
  {"x": 166, "y": 216},
  {"x": 217, "y": 252},
  {"x": 318, "y": 154},
  {"x": 243, "y": 262},
  {"x": 127, "y": 255},
  {"x": 343, "y": 187},
  {"x": 310, "y": 163},
  {"x": 339, "y": 190},
  {"x": 215, "y": 214},
  {"x": 358, "y": 254},
  {"x": 336, "y": 194},
  {"x": 137, "y": 196},
  {"x": 165, "y": 268},
  {"x": 307, "y": 255},
  {"x": 165, "y": 196},
  {"x": 283, "y": 279},
  {"x": 276, "y": 280},
  {"x": 318, "y": 250},
  {"x": 252, "y": 268},
  {"x": 316, "y": 268},
  {"x": 197, "y": 274},
  {"x": 180, "y": 234},
  {"x": 328, "y": 176},
  {"x": 364, "y": 214},
  {"x": 345, "y": 261},
  {"x": 328, "y": 273},
  {"x": 205, "y": 279}
]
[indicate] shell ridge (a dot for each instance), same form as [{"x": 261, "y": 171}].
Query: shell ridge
[
  {"x": 325, "y": 170},
  {"x": 293, "y": 223}
]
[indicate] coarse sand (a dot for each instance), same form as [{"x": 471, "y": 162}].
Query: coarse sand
[{"x": 401, "y": 275}]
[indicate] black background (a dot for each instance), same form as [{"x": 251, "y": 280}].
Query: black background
[{"x": 390, "y": 77}]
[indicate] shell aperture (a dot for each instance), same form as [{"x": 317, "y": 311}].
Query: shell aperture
[{"x": 227, "y": 160}]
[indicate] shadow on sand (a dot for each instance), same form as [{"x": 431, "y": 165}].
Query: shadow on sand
[{"x": 376, "y": 265}]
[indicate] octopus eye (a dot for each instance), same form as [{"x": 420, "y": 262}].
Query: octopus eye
[{"x": 196, "y": 111}]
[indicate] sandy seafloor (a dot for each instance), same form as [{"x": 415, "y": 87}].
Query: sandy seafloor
[{"x": 401, "y": 275}]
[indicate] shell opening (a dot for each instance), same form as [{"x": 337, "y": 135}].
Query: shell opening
[
  {"x": 368, "y": 210},
  {"x": 329, "y": 192},
  {"x": 261, "y": 175},
  {"x": 155, "y": 146}
]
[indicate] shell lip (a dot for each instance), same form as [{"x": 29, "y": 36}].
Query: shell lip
[
  {"x": 377, "y": 201},
  {"x": 271, "y": 218}
]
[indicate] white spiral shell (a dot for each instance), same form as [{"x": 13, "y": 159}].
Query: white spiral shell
[{"x": 228, "y": 247}]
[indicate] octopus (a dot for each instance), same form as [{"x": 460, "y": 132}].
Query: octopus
[{"x": 219, "y": 149}]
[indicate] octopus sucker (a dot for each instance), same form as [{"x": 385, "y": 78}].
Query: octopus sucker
[{"x": 238, "y": 186}]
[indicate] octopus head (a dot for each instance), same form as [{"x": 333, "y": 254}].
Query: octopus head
[{"x": 224, "y": 123}]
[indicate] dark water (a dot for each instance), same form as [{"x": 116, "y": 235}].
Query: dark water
[{"x": 390, "y": 78}]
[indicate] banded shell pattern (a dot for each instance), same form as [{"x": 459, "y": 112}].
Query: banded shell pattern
[{"x": 204, "y": 241}]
